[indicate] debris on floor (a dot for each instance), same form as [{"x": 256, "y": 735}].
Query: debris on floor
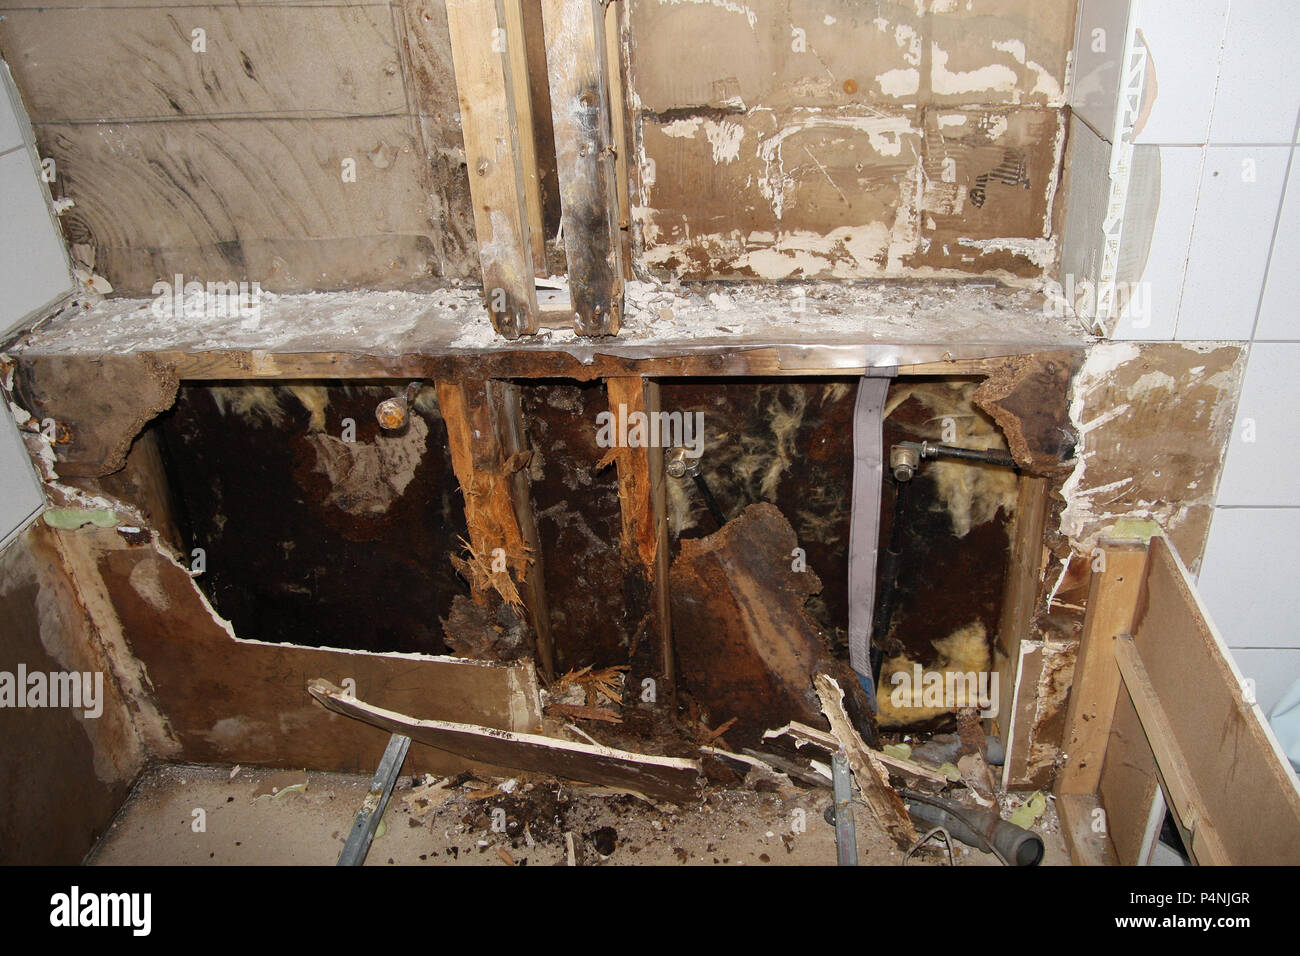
[{"x": 541, "y": 822}]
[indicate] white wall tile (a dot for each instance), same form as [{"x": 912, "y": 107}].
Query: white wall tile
[
  {"x": 1235, "y": 215},
  {"x": 34, "y": 269},
  {"x": 1279, "y": 316},
  {"x": 1163, "y": 205},
  {"x": 1274, "y": 670},
  {"x": 1259, "y": 77},
  {"x": 21, "y": 495},
  {"x": 1246, "y": 580},
  {"x": 1094, "y": 74},
  {"x": 1183, "y": 50},
  {"x": 11, "y": 130},
  {"x": 1265, "y": 472}
]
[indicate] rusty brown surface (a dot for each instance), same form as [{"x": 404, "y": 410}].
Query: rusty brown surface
[
  {"x": 100, "y": 403},
  {"x": 1029, "y": 399},
  {"x": 63, "y": 774},
  {"x": 745, "y": 646}
]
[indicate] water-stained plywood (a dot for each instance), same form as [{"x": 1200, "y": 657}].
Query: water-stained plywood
[
  {"x": 816, "y": 140},
  {"x": 299, "y": 146}
]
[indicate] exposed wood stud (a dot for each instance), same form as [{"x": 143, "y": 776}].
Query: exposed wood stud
[
  {"x": 584, "y": 154},
  {"x": 515, "y": 41},
  {"x": 486, "y": 88},
  {"x": 642, "y": 495},
  {"x": 481, "y": 468},
  {"x": 1111, "y": 604},
  {"x": 514, "y": 445}
]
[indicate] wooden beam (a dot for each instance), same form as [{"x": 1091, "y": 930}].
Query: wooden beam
[
  {"x": 519, "y": 86},
  {"x": 494, "y": 146},
  {"x": 1112, "y": 604},
  {"x": 1183, "y": 791},
  {"x": 1084, "y": 830},
  {"x": 1019, "y": 600},
  {"x": 584, "y": 155},
  {"x": 514, "y": 446},
  {"x": 873, "y": 780},
  {"x": 642, "y": 499},
  {"x": 471, "y": 414}
]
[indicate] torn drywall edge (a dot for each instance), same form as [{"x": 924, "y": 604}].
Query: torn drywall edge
[{"x": 1086, "y": 517}]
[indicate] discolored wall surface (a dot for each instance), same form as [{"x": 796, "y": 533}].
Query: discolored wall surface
[
  {"x": 62, "y": 774},
  {"x": 311, "y": 539},
  {"x": 828, "y": 138},
  {"x": 597, "y": 606}
]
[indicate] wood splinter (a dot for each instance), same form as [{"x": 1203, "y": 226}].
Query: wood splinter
[{"x": 873, "y": 782}]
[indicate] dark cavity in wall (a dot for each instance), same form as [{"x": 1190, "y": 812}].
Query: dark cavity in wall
[
  {"x": 309, "y": 538},
  {"x": 787, "y": 442},
  {"x": 956, "y": 541},
  {"x": 597, "y": 605}
]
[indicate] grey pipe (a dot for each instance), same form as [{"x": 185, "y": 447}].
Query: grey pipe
[{"x": 981, "y": 829}]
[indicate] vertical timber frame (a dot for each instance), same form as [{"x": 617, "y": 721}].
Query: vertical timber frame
[
  {"x": 579, "y": 73},
  {"x": 489, "y": 86},
  {"x": 485, "y": 435},
  {"x": 642, "y": 498}
]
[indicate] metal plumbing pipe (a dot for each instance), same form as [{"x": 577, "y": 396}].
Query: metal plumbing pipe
[{"x": 982, "y": 829}]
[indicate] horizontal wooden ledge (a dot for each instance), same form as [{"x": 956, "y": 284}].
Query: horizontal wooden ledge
[{"x": 713, "y": 329}]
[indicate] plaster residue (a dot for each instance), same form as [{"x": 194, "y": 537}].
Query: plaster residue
[
  {"x": 993, "y": 77},
  {"x": 901, "y": 82},
  {"x": 1041, "y": 252},
  {"x": 1153, "y": 423},
  {"x": 367, "y": 477},
  {"x": 725, "y": 138},
  {"x": 729, "y": 5}
]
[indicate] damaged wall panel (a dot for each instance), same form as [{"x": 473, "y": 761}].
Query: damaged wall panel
[
  {"x": 942, "y": 157},
  {"x": 216, "y": 699},
  {"x": 336, "y": 114},
  {"x": 74, "y": 766}
]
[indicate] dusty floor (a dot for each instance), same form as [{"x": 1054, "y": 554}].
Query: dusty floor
[{"x": 428, "y": 823}]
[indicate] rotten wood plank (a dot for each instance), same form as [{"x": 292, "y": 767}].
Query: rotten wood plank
[
  {"x": 486, "y": 89},
  {"x": 1020, "y": 598},
  {"x": 745, "y": 647},
  {"x": 873, "y": 781},
  {"x": 674, "y": 779},
  {"x": 576, "y": 47},
  {"x": 201, "y": 694},
  {"x": 1112, "y": 604},
  {"x": 643, "y": 506}
]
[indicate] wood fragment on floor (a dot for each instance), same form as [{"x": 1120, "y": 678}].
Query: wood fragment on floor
[
  {"x": 672, "y": 779},
  {"x": 873, "y": 782}
]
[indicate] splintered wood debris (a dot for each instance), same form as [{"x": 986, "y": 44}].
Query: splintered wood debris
[
  {"x": 672, "y": 779},
  {"x": 873, "y": 781},
  {"x": 588, "y": 694}
]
